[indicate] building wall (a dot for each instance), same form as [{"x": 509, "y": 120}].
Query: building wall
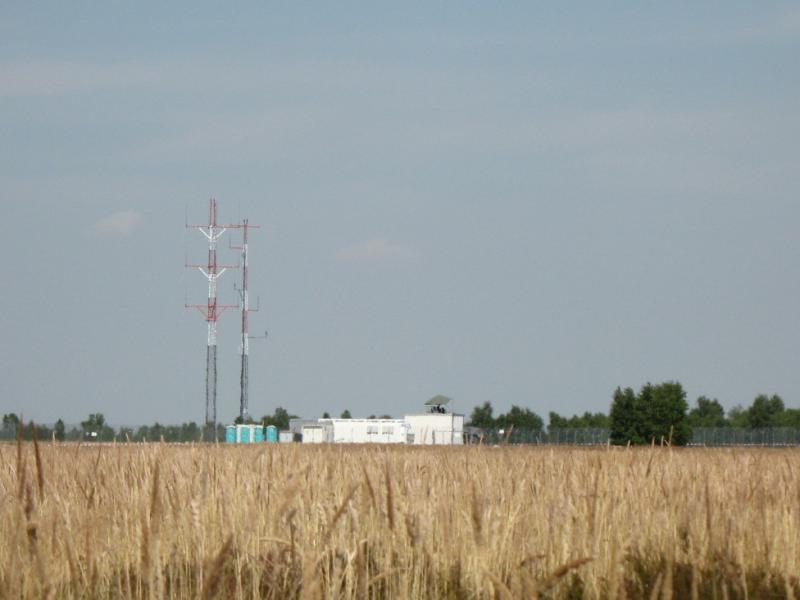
[
  {"x": 437, "y": 428},
  {"x": 367, "y": 431},
  {"x": 314, "y": 434},
  {"x": 427, "y": 428}
]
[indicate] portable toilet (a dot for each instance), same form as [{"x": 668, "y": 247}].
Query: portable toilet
[
  {"x": 258, "y": 433},
  {"x": 244, "y": 434},
  {"x": 230, "y": 434},
  {"x": 272, "y": 434}
]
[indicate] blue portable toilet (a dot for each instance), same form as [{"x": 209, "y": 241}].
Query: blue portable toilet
[
  {"x": 230, "y": 434},
  {"x": 258, "y": 433},
  {"x": 244, "y": 434},
  {"x": 272, "y": 434}
]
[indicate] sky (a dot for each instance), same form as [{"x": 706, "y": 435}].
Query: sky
[{"x": 526, "y": 203}]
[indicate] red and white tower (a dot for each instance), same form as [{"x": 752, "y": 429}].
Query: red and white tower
[{"x": 212, "y": 309}]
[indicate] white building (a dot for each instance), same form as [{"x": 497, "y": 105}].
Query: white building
[
  {"x": 370, "y": 431},
  {"x": 314, "y": 434},
  {"x": 429, "y": 428},
  {"x": 437, "y": 428}
]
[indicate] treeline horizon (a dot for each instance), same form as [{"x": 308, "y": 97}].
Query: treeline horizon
[{"x": 657, "y": 413}]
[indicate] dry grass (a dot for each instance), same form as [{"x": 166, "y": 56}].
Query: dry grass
[{"x": 376, "y": 522}]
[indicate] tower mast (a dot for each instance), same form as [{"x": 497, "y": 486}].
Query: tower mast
[
  {"x": 211, "y": 311},
  {"x": 244, "y": 343}
]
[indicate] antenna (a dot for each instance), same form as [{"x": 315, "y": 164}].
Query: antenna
[
  {"x": 212, "y": 310},
  {"x": 244, "y": 345}
]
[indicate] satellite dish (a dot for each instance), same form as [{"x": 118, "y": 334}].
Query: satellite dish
[{"x": 438, "y": 401}]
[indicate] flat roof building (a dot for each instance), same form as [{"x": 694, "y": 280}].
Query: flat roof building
[{"x": 434, "y": 428}]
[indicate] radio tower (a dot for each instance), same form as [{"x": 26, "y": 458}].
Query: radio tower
[
  {"x": 212, "y": 310},
  {"x": 244, "y": 344}
]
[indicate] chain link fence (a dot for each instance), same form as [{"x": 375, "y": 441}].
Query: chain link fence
[
  {"x": 737, "y": 436},
  {"x": 701, "y": 436},
  {"x": 576, "y": 437}
]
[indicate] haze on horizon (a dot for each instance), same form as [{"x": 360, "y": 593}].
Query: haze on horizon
[{"x": 524, "y": 203}]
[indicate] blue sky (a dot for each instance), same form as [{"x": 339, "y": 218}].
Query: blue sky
[{"x": 524, "y": 203}]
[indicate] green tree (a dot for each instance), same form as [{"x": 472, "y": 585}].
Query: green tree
[
  {"x": 657, "y": 412},
  {"x": 10, "y": 426},
  {"x": 556, "y": 421},
  {"x": 788, "y": 418},
  {"x": 60, "y": 431},
  {"x": 345, "y": 414},
  {"x": 626, "y": 417},
  {"x": 737, "y": 417},
  {"x": 326, "y": 415},
  {"x": 665, "y": 408},
  {"x": 280, "y": 419},
  {"x": 482, "y": 416},
  {"x": 155, "y": 432},
  {"x": 585, "y": 421},
  {"x": 190, "y": 432},
  {"x": 42, "y": 433},
  {"x": 601, "y": 420},
  {"x": 96, "y": 423},
  {"x": 172, "y": 433},
  {"x": 521, "y": 418},
  {"x": 765, "y": 411},
  {"x": 597, "y": 420},
  {"x": 707, "y": 413}
]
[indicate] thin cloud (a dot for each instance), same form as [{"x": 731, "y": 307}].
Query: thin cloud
[
  {"x": 376, "y": 250},
  {"x": 119, "y": 224}
]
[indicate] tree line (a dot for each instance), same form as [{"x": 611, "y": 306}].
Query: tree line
[
  {"x": 95, "y": 428},
  {"x": 658, "y": 412}
]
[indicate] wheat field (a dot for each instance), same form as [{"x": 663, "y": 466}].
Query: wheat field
[{"x": 331, "y": 521}]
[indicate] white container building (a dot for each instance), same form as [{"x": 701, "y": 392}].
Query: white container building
[
  {"x": 437, "y": 428},
  {"x": 367, "y": 431},
  {"x": 314, "y": 434},
  {"x": 429, "y": 428}
]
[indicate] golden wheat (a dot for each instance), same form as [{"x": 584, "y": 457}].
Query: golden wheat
[{"x": 292, "y": 521}]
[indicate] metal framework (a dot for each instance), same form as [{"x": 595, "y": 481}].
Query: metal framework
[
  {"x": 212, "y": 310},
  {"x": 244, "y": 343}
]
